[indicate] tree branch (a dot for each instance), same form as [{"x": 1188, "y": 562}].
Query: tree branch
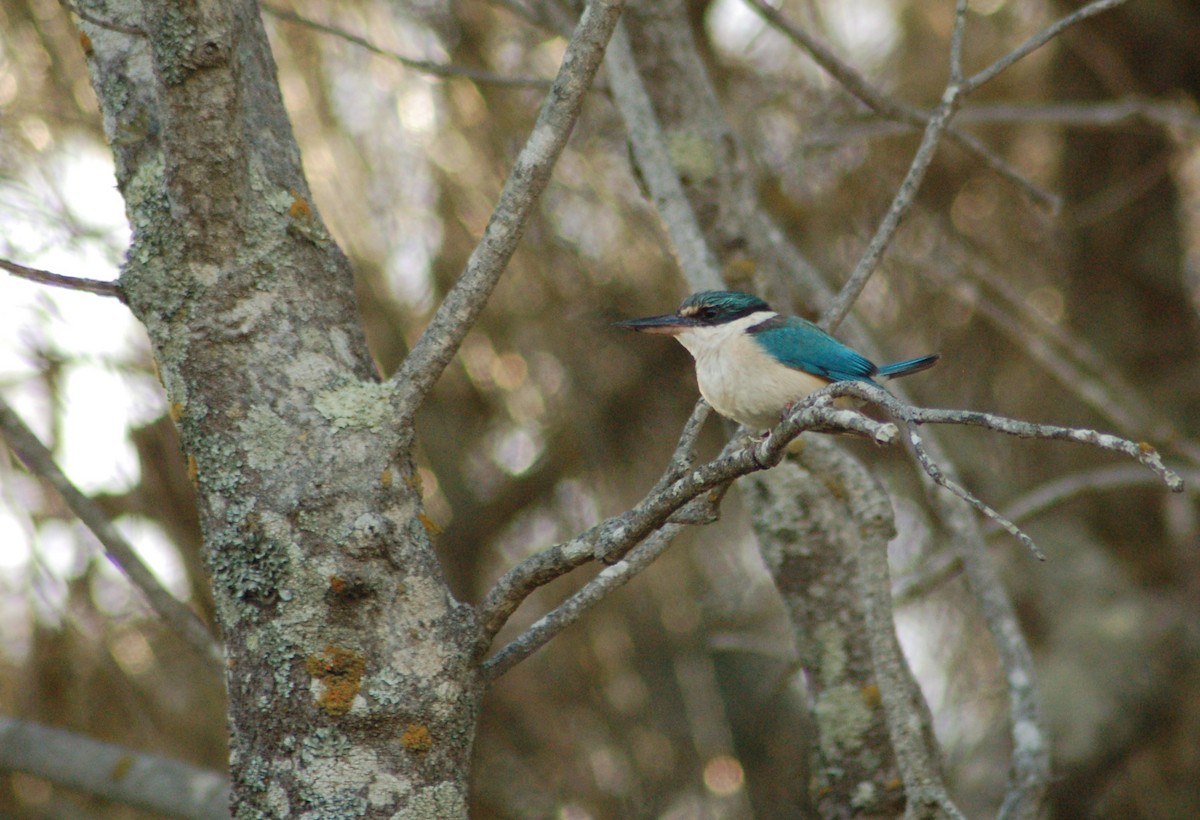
[
  {"x": 836, "y": 311},
  {"x": 97, "y": 286},
  {"x": 40, "y": 462},
  {"x": 902, "y": 700},
  {"x": 694, "y": 256},
  {"x": 145, "y": 781},
  {"x": 530, "y": 174},
  {"x": 425, "y": 66},
  {"x": 1037, "y": 41},
  {"x": 613, "y": 538},
  {"x": 900, "y": 112},
  {"x": 609, "y": 580}
]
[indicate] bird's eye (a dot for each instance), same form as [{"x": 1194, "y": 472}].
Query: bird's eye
[{"x": 707, "y": 314}]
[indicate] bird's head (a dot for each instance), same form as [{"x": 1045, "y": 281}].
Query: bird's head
[{"x": 708, "y": 308}]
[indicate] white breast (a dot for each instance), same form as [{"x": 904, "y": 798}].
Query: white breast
[{"x": 740, "y": 379}]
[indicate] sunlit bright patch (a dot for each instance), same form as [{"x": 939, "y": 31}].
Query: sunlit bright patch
[{"x": 723, "y": 775}]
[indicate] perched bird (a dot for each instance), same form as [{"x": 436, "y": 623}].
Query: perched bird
[{"x": 752, "y": 363}]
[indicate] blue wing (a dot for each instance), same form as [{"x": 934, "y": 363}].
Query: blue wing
[{"x": 801, "y": 345}]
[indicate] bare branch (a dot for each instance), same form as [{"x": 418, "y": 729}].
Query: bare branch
[
  {"x": 540, "y": 569},
  {"x": 695, "y": 258},
  {"x": 40, "y": 462},
  {"x": 836, "y": 311},
  {"x": 613, "y": 538},
  {"x": 150, "y": 782},
  {"x": 426, "y": 66},
  {"x": 99, "y": 287},
  {"x": 1069, "y": 487},
  {"x": 1037, "y": 41},
  {"x": 902, "y": 113},
  {"x": 956, "y": 42},
  {"x": 966, "y": 495},
  {"x": 610, "y": 579},
  {"x": 530, "y": 174}
]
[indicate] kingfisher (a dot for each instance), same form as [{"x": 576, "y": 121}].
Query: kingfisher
[{"x": 753, "y": 364}]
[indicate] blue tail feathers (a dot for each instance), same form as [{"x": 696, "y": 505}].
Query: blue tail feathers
[{"x": 908, "y": 366}]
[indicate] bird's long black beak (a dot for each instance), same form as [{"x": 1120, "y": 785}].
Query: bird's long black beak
[{"x": 668, "y": 324}]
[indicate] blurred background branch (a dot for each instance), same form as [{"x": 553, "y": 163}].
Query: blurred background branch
[{"x": 679, "y": 694}]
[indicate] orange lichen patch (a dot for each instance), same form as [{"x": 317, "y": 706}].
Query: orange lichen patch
[
  {"x": 85, "y": 43},
  {"x": 1146, "y": 448},
  {"x": 340, "y": 672},
  {"x": 385, "y": 478},
  {"x": 337, "y": 585},
  {"x": 430, "y": 525},
  {"x": 300, "y": 209},
  {"x": 121, "y": 767},
  {"x": 175, "y": 409},
  {"x": 416, "y": 738},
  {"x": 193, "y": 468},
  {"x": 895, "y": 784},
  {"x": 871, "y": 695}
]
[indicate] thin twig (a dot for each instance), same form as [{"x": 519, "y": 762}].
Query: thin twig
[
  {"x": 540, "y": 569},
  {"x": 551, "y": 624},
  {"x": 613, "y": 538},
  {"x": 956, "y": 42},
  {"x": 906, "y": 116},
  {"x": 528, "y": 178},
  {"x": 97, "y": 286},
  {"x": 966, "y": 495},
  {"x": 40, "y": 462},
  {"x": 836, "y": 311},
  {"x": 1067, "y": 488},
  {"x": 426, "y": 66},
  {"x": 1037, "y": 41}
]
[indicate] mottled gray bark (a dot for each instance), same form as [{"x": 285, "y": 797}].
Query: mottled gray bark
[
  {"x": 353, "y": 678},
  {"x": 350, "y": 684}
]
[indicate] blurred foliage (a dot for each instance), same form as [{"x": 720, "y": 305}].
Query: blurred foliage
[{"x": 550, "y": 418}]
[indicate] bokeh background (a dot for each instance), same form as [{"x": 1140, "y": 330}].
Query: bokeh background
[{"x": 551, "y": 419}]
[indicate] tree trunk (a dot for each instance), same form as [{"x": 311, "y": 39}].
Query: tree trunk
[{"x": 352, "y": 685}]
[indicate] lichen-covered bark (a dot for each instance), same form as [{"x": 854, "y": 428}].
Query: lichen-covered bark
[
  {"x": 352, "y": 690},
  {"x": 810, "y": 540}
]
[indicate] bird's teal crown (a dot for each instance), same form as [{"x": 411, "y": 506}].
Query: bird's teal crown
[{"x": 714, "y": 307}]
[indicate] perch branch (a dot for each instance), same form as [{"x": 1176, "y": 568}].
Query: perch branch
[{"x": 613, "y": 538}]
